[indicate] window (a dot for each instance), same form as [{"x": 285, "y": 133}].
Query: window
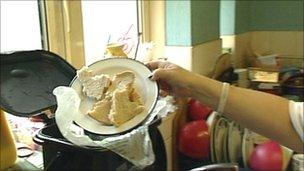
[
  {"x": 79, "y": 30},
  {"x": 20, "y": 26},
  {"x": 109, "y": 21}
]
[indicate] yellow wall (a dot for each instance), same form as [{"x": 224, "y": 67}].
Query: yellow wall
[
  {"x": 199, "y": 58},
  {"x": 285, "y": 43},
  {"x": 205, "y": 55},
  {"x": 157, "y": 27},
  {"x": 239, "y": 45}
]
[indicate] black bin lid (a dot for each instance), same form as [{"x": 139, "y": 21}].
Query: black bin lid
[{"x": 28, "y": 79}]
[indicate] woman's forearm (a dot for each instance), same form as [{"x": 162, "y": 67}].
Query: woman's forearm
[
  {"x": 205, "y": 89},
  {"x": 261, "y": 112}
]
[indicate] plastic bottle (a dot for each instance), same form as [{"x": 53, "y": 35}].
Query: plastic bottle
[{"x": 8, "y": 152}]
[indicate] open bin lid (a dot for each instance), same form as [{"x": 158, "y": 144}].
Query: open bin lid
[{"x": 28, "y": 79}]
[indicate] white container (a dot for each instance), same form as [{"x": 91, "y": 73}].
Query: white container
[{"x": 243, "y": 80}]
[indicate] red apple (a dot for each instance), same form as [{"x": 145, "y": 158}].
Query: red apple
[
  {"x": 267, "y": 156},
  {"x": 194, "y": 140},
  {"x": 197, "y": 110}
]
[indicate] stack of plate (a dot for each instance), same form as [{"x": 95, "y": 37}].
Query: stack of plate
[
  {"x": 220, "y": 141},
  {"x": 225, "y": 141},
  {"x": 298, "y": 162},
  {"x": 212, "y": 119},
  {"x": 230, "y": 143},
  {"x": 235, "y": 134}
]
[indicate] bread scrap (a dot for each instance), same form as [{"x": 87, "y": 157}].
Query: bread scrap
[
  {"x": 123, "y": 109},
  {"x": 120, "y": 81},
  {"x": 118, "y": 100},
  {"x": 94, "y": 86},
  {"x": 101, "y": 110}
]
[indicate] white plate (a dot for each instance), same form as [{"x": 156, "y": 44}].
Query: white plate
[
  {"x": 234, "y": 142},
  {"x": 213, "y": 118},
  {"x": 247, "y": 146},
  {"x": 147, "y": 89},
  {"x": 220, "y": 141}
]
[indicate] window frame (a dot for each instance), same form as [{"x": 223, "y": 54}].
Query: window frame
[
  {"x": 43, "y": 25},
  {"x": 65, "y": 37}
]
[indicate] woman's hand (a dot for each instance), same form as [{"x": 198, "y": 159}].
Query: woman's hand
[{"x": 172, "y": 78}]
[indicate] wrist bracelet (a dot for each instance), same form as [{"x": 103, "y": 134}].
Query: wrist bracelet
[{"x": 223, "y": 98}]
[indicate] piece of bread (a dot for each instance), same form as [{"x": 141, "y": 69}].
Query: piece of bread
[
  {"x": 121, "y": 81},
  {"x": 84, "y": 74},
  {"x": 126, "y": 100},
  {"x": 101, "y": 110},
  {"x": 94, "y": 86},
  {"x": 123, "y": 109},
  {"x": 135, "y": 97}
]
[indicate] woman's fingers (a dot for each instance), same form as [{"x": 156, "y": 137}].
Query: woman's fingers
[
  {"x": 153, "y": 65},
  {"x": 157, "y": 64},
  {"x": 158, "y": 74}
]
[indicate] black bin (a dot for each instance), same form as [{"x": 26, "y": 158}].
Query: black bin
[{"x": 60, "y": 154}]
